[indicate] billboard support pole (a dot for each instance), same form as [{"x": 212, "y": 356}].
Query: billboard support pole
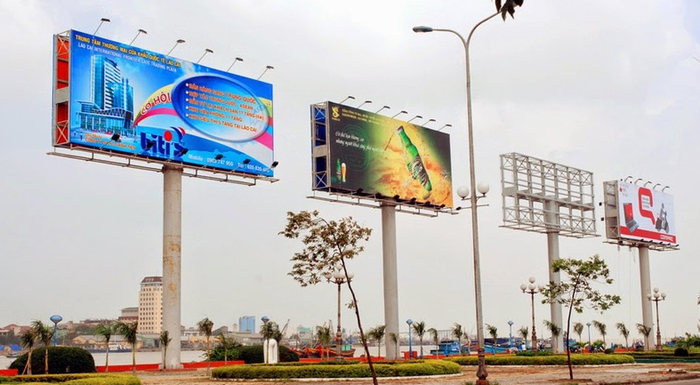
[
  {"x": 553, "y": 254},
  {"x": 172, "y": 238},
  {"x": 645, "y": 283},
  {"x": 390, "y": 271}
]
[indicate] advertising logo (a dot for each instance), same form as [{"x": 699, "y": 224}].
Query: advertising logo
[{"x": 648, "y": 214}]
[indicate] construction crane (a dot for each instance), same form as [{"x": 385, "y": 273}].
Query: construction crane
[{"x": 284, "y": 329}]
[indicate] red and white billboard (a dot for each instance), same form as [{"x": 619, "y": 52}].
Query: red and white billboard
[{"x": 645, "y": 214}]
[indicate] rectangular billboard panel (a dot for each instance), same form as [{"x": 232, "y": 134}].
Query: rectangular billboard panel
[
  {"x": 376, "y": 154},
  {"x": 645, "y": 214},
  {"x": 143, "y": 103}
]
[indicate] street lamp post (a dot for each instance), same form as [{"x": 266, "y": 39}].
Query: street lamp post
[
  {"x": 410, "y": 342},
  {"x": 265, "y": 320},
  {"x": 338, "y": 277},
  {"x": 532, "y": 290},
  {"x": 589, "y": 336},
  {"x": 510, "y": 334},
  {"x": 55, "y": 319},
  {"x": 481, "y": 372},
  {"x": 656, "y": 297}
]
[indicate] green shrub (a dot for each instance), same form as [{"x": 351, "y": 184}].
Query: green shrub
[
  {"x": 80, "y": 379},
  {"x": 254, "y": 354},
  {"x": 681, "y": 352},
  {"x": 61, "y": 360},
  {"x": 530, "y": 353},
  {"x": 609, "y": 351},
  {"x": 555, "y": 359},
  {"x": 348, "y": 369}
]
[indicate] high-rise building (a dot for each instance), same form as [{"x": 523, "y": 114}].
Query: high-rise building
[
  {"x": 246, "y": 324},
  {"x": 151, "y": 305},
  {"x": 111, "y": 104}
]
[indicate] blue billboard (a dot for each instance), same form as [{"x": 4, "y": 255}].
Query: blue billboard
[{"x": 130, "y": 100}]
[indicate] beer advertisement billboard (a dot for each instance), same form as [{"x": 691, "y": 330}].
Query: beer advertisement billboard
[
  {"x": 376, "y": 154},
  {"x": 137, "y": 102},
  {"x": 646, "y": 214}
]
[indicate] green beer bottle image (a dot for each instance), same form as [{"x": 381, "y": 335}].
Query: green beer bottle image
[{"x": 415, "y": 163}]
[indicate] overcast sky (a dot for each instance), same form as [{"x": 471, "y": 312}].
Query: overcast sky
[{"x": 608, "y": 87}]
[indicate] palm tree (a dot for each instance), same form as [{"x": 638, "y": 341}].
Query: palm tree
[
  {"x": 395, "y": 340},
  {"x": 128, "y": 330},
  {"x": 105, "y": 331},
  {"x": 493, "y": 332},
  {"x": 554, "y": 329},
  {"x": 377, "y": 333},
  {"x": 205, "y": 327},
  {"x": 602, "y": 330},
  {"x": 164, "y": 342},
  {"x": 436, "y": 340},
  {"x": 645, "y": 331},
  {"x": 524, "y": 332},
  {"x": 457, "y": 332},
  {"x": 323, "y": 335},
  {"x": 578, "y": 329},
  {"x": 419, "y": 329},
  {"x": 27, "y": 340},
  {"x": 44, "y": 334},
  {"x": 226, "y": 344},
  {"x": 624, "y": 332}
]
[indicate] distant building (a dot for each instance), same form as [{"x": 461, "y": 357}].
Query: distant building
[
  {"x": 129, "y": 314},
  {"x": 150, "y": 313},
  {"x": 246, "y": 324}
]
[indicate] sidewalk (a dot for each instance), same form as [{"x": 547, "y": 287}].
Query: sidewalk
[{"x": 503, "y": 375}]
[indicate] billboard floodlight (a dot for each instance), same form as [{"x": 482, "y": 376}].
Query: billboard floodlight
[
  {"x": 427, "y": 122},
  {"x": 141, "y": 31},
  {"x": 246, "y": 161},
  {"x": 363, "y": 103},
  {"x": 179, "y": 41},
  {"x": 383, "y": 108},
  {"x": 234, "y": 62},
  {"x": 630, "y": 177},
  {"x": 274, "y": 164},
  {"x": 206, "y": 51},
  {"x": 638, "y": 180},
  {"x": 102, "y": 20},
  {"x": 414, "y": 118},
  {"x": 219, "y": 156},
  {"x": 664, "y": 189},
  {"x": 445, "y": 126},
  {"x": 399, "y": 113},
  {"x": 350, "y": 97},
  {"x": 115, "y": 137},
  {"x": 266, "y": 69}
]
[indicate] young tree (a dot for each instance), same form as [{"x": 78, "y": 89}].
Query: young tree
[
  {"x": 269, "y": 330},
  {"x": 493, "y": 332},
  {"x": 394, "y": 337},
  {"x": 205, "y": 327},
  {"x": 436, "y": 340},
  {"x": 164, "y": 342},
  {"x": 324, "y": 337},
  {"x": 457, "y": 332},
  {"x": 419, "y": 329},
  {"x": 576, "y": 291},
  {"x": 105, "y": 331},
  {"x": 524, "y": 332},
  {"x": 128, "y": 330},
  {"x": 554, "y": 329},
  {"x": 645, "y": 331},
  {"x": 377, "y": 333},
  {"x": 603, "y": 330},
  {"x": 44, "y": 333},
  {"x": 624, "y": 332},
  {"x": 27, "y": 340},
  {"x": 578, "y": 329},
  {"x": 327, "y": 243}
]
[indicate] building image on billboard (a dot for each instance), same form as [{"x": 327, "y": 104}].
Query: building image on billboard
[
  {"x": 639, "y": 214},
  {"x": 141, "y": 103},
  {"x": 368, "y": 153}
]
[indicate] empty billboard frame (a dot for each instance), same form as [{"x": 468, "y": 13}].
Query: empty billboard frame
[
  {"x": 543, "y": 196},
  {"x": 361, "y": 154},
  {"x": 141, "y": 105},
  {"x": 639, "y": 216}
]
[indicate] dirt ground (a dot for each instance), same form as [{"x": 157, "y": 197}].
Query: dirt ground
[{"x": 506, "y": 375}]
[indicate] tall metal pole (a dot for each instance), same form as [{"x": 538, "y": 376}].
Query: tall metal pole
[
  {"x": 172, "y": 245},
  {"x": 390, "y": 272},
  {"x": 339, "y": 333},
  {"x": 658, "y": 328},
  {"x": 645, "y": 285},
  {"x": 534, "y": 346},
  {"x": 551, "y": 219},
  {"x": 481, "y": 372}
]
